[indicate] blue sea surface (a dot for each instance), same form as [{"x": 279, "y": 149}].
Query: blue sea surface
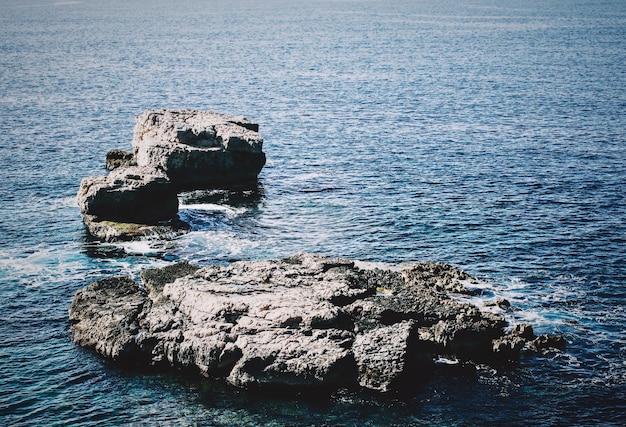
[{"x": 487, "y": 134}]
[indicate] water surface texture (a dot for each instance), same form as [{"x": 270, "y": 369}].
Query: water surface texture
[{"x": 487, "y": 134}]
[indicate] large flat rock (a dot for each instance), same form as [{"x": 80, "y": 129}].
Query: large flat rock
[{"x": 302, "y": 322}]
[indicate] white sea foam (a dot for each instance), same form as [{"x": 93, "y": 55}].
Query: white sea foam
[
  {"x": 371, "y": 265},
  {"x": 446, "y": 361},
  {"x": 32, "y": 261},
  {"x": 141, "y": 247},
  {"x": 40, "y": 265},
  {"x": 229, "y": 211},
  {"x": 540, "y": 307},
  {"x": 64, "y": 202},
  {"x": 212, "y": 245}
]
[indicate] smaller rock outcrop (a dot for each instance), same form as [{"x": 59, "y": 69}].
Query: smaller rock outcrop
[
  {"x": 129, "y": 203},
  {"x": 172, "y": 150},
  {"x": 131, "y": 194}
]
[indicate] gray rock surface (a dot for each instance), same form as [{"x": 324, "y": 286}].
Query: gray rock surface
[
  {"x": 306, "y": 321},
  {"x": 198, "y": 148},
  {"x": 113, "y": 335},
  {"x": 388, "y": 356}
]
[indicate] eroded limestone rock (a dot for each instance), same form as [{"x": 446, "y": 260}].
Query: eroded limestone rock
[
  {"x": 306, "y": 321},
  {"x": 128, "y": 203},
  {"x": 389, "y": 356},
  {"x": 198, "y": 148},
  {"x": 130, "y": 194},
  {"x": 119, "y": 159},
  {"x": 172, "y": 150}
]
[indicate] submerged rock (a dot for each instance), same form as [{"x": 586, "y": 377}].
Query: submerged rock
[
  {"x": 198, "y": 148},
  {"x": 116, "y": 231},
  {"x": 302, "y": 322},
  {"x": 547, "y": 342}
]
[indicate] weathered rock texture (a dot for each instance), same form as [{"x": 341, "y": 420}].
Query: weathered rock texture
[
  {"x": 198, "y": 148},
  {"x": 131, "y": 194},
  {"x": 116, "y": 231},
  {"x": 301, "y": 322},
  {"x": 118, "y": 158},
  {"x": 128, "y": 203},
  {"x": 172, "y": 150}
]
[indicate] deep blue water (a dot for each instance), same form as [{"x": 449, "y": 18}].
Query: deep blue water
[{"x": 487, "y": 134}]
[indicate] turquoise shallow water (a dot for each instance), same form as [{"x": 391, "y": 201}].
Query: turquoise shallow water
[{"x": 490, "y": 135}]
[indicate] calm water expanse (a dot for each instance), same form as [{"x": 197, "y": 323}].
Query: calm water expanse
[{"x": 487, "y": 134}]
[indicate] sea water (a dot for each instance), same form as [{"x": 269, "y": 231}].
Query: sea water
[{"x": 487, "y": 134}]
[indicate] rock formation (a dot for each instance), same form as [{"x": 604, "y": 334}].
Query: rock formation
[
  {"x": 196, "y": 148},
  {"x": 172, "y": 150},
  {"x": 130, "y": 194},
  {"x": 128, "y": 203},
  {"x": 302, "y": 322}
]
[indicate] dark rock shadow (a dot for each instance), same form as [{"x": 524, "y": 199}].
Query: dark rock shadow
[{"x": 248, "y": 195}]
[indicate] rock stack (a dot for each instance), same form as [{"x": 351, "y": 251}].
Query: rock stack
[{"x": 172, "y": 151}]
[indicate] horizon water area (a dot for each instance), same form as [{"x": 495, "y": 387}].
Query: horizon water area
[{"x": 490, "y": 135}]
